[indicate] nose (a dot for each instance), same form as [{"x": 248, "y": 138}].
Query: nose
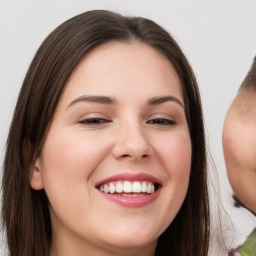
[{"x": 132, "y": 143}]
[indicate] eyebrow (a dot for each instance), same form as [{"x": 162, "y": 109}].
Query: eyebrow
[
  {"x": 111, "y": 101},
  {"x": 93, "y": 99},
  {"x": 160, "y": 100}
]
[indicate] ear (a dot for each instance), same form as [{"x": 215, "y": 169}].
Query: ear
[
  {"x": 35, "y": 169},
  {"x": 36, "y": 179}
]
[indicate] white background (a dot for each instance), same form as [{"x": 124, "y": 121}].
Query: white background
[{"x": 218, "y": 38}]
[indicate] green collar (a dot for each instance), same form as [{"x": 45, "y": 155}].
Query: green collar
[{"x": 248, "y": 248}]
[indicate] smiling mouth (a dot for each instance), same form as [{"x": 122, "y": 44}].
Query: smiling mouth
[{"x": 128, "y": 188}]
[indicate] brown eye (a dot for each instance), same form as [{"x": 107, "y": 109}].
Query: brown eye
[
  {"x": 94, "y": 121},
  {"x": 161, "y": 121}
]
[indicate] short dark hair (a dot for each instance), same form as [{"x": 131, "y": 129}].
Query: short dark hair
[
  {"x": 25, "y": 212},
  {"x": 250, "y": 79}
]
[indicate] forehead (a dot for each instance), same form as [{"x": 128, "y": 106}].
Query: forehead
[
  {"x": 244, "y": 105},
  {"x": 123, "y": 68},
  {"x": 119, "y": 57}
]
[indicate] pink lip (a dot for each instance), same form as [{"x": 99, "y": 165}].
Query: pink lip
[{"x": 131, "y": 201}]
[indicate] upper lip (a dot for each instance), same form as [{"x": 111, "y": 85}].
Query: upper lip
[{"x": 130, "y": 177}]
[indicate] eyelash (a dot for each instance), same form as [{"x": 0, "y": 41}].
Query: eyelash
[
  {"x": 94, "y": 121},
  {"x": 161, "y": 122},
  {"x": 155, "y": 121}
]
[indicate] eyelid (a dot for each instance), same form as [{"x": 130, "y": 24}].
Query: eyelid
[
  {"x": 100, "y": 117},
  {"x": 162, "y": 116},
  {"x": 161, "y": 119},
  {"x": 94, "y": 121}
]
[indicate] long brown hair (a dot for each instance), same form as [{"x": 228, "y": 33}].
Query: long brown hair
[{"x": 25, "y": 212}]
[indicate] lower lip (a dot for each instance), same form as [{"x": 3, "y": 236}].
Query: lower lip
[{"x": 132, "y": 201}]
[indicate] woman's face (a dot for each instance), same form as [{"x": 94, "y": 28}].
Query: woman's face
[
  {"x": 239, "y": 144},
  {"x": 115, "y": 164}
]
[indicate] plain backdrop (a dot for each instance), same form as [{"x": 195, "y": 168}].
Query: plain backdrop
[{"x": 218, "y": 38}]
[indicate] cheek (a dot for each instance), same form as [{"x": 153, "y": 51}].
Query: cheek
[
  {"x": 239, "y": 149},
  {"x": 70, "y": 158},
  {"x": 239, "y": 144},
  {"x": 248, "y": 147},
  {"x": 175, "y": 153}
]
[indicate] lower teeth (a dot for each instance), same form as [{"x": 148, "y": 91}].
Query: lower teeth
[{"x": 132, "y": 194}]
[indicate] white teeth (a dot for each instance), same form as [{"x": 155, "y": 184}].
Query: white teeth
[
  {"x": 144, "y": 187},
  {"x": 119, "y": 187},
  {"x": 127, "y": 187},
  {"x": 112, "y": 188},
  {"x": 136, "y": 187},
  {"x": 149, "y": 188},
  {"x": 152, "y": 189},
  {"x": 106, "y": 188}
]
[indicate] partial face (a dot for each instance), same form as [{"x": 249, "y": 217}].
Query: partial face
[
  {"x": 239, "y": 144},
  {"x": 115, "y": 164}
]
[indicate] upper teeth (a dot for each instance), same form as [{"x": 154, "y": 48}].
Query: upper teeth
[{"x": 128, "y": 187}]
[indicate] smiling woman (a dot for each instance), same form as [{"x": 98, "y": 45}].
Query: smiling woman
[{"x": 106, "y": 151}]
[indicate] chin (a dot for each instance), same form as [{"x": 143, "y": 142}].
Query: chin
[{"x": 132, "y": 239}]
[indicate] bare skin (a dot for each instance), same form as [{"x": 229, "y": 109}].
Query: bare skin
[
  {"x": 122, "y": 113},
  {"x": 239, "y": 145}
]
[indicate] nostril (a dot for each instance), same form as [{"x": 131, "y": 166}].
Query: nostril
[{"x": 126, "y": 155}]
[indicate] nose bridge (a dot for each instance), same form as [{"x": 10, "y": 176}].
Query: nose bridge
[{"x": 132, "y": 141}]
